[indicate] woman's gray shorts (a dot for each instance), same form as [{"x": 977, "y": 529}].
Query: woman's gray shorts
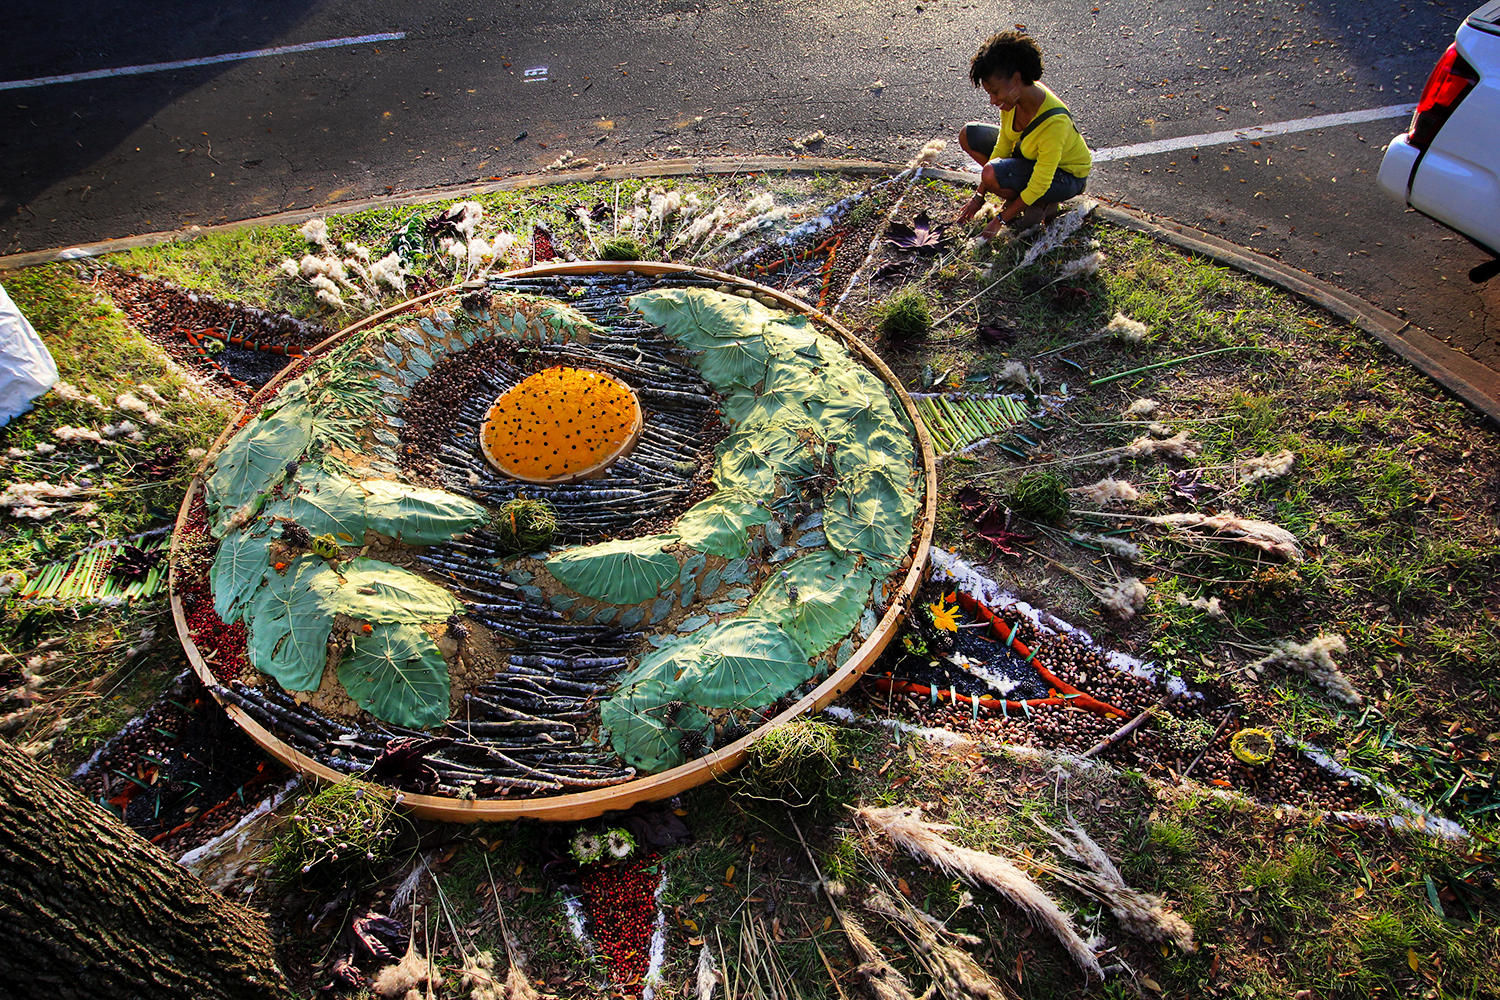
[{"x": 1014, "y": 172}]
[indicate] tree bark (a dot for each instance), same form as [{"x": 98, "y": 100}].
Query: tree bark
[{"x": 90, "y": 909}]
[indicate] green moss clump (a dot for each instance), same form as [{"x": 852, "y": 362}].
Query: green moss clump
[
  {"x": 1040, "y": 496},
  {"x": 524, "y": 524},
  {"x": 337, "y": 832},
  {"x": 906, "y": 317},
  {"x": 621, "y": 248}
]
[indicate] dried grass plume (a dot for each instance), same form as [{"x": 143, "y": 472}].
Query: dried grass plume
[
  {"x": 1139, "y": 913},
  {"x": 1314, "y": 658},
  {"x": 925, "y": 841}
]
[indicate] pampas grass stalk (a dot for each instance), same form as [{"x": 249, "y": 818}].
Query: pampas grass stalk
[
  {"x": 904, "y": 827},
  {"x": 1061, "y": 228},
  {"x": 953, "y": 970},
  {"x": 1314, "y": 658},
  {"x": 1139, "y": 913},
  {"x": 883, "y": 980},
  {"x": 1225, "y": 527}
]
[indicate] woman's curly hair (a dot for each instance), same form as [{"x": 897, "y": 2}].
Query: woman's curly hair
[{"x": 1006, "y": 53}]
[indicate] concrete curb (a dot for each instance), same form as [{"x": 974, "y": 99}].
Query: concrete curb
[{"x": 1475, "y": 384}]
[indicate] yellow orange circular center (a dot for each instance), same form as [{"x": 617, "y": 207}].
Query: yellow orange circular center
[{"x": 560, "y": 425}]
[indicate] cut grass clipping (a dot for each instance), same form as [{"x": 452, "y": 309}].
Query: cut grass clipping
[
  {"x": 340, "y": 830},
  {"x": 793, "y": 763},
  {"x": 906, "y": 317}
]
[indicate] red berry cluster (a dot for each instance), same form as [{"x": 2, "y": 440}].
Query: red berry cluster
[
  {"x": 620, "y": 900},
  {"x": 223, "y": 646},
  {"x": 541, "y": 243}
]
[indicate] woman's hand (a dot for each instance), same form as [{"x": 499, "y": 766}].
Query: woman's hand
[{"x": 971, "y": 208}]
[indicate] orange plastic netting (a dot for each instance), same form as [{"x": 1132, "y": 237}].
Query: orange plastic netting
[{"x": 561, "y": 423}]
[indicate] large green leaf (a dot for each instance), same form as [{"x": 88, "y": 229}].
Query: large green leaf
[
  {"x": 742, "y": 663},
  {"x": 416, "y": 515},
  {"x": 242, "y": 562},
  {"x": 745, "y": 663},
  {"x": 289, "y": 624},
  {"x": 376, "y": 591},
  {"x": 255, "y": 460},
  {"x": 324, "y": 504},
  {"x": 620, "y": 572},
  {"x": 817, "y": 599},
  {"x": 731, "y": 365},
  {"x": 870, "y": 515},
  {"x": 750, "y": 459},
  {"x": 396, "y": 673},
  {"x": 720, "y": 524},
  {"x": 640, "y": 728},
  {"x": 698, "y": 317}
]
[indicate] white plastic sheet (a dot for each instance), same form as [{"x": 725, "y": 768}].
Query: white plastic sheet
[{"x": 26, "y": 366}]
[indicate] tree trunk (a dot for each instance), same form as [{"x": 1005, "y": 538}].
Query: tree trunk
[{"x": 90, "y": 909}]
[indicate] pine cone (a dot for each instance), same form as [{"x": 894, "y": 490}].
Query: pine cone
[
  {"x": 733, "y": 731},
  {"x": 692, "y": 744},
  {"x": 456, "y": 627}
]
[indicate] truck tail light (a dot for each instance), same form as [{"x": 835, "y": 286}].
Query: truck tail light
[{"x": 1451, "y": 80}]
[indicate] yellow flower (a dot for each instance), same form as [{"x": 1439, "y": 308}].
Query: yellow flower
[{"x": 943, "y": 616}]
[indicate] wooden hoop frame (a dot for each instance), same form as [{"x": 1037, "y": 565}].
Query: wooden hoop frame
[{"x": 647, "y": 788}]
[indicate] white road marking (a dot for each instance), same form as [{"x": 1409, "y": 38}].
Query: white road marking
[
  {"x": 280, "y": 50},
  {"x": 1253, "y": 132}
]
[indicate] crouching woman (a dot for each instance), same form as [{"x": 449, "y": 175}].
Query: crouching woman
[{"x": 1036, "y": 157}]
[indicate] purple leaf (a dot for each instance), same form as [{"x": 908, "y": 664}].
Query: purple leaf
[
  {"x": 1189, "y": 484},
  {"x": 991, "y": 334},
  {"x": 919, "y": 237},
  {"x": 401, "y": 761},
  {"x": 371, "y": 927},
  {"x": 990, "y": 521}
]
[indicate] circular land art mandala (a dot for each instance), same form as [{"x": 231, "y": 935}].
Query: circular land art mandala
[{"x": 555, "y": 544}]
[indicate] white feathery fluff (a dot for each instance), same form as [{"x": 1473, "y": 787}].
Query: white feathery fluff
[
  {"x": 1179, "y": 445},
  {"x": 290, "y": 268},
  {"x": 706, "y": 980},
  {"x": 1087, "y": 264},
  {"x": 1107, "y": 490},
  {"x": 1124, "y": 597},
  {"x": 72, "y": 394},
  {"x": 1210, "y": 605},
  {"x": 469, "y": 214},
  {"x": 1014, "y": 373},
  {"x": 70, "y": 435},
  {"x": 1263, "y": 467},
  {"x": 1314, "y": 658},
  {"x": 1124, "y": 328},
  {"x": 1121, "y": 547},
  {"x": 315, "y": 231},
  {"x": 389, "y": 270},
  {"x": 928, "y": 153},
  {"x": 1140, "y": 409}
]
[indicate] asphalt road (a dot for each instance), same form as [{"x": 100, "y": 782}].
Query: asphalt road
[{"x": 475, "y": 91}]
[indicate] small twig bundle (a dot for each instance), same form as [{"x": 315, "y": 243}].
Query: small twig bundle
[
  {"x": 905, "y": 828},
  {"x": 1140, "y": 913}
]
